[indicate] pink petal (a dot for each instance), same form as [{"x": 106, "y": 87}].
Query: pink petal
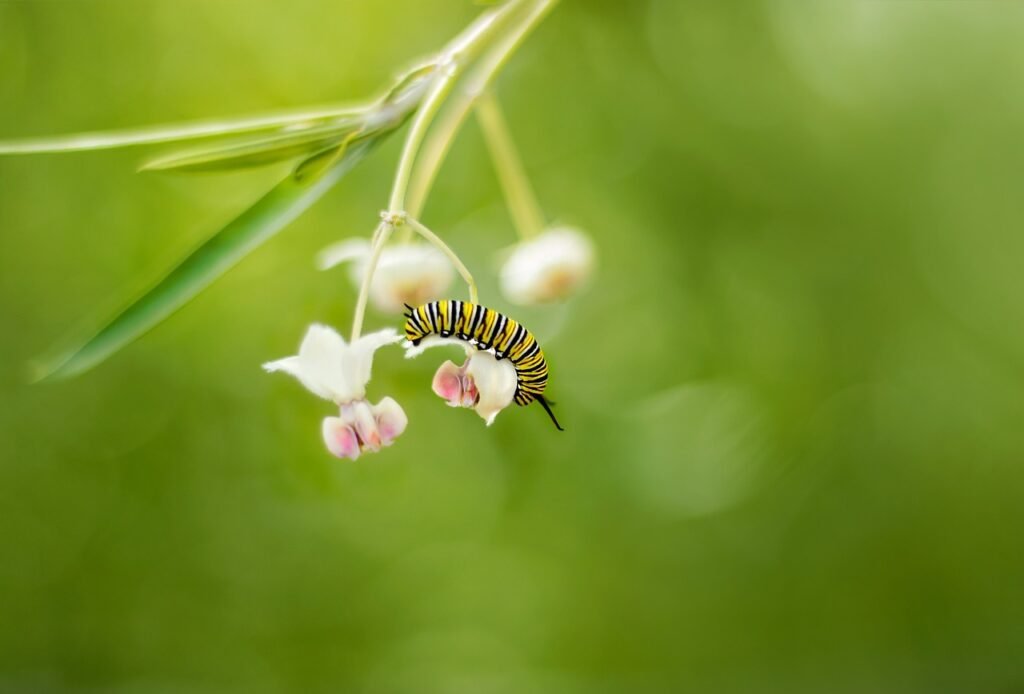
[
  {"x": 360, "y": 417},
  {"x": 340, "y": 439},
  {"x": 391, "y": 420},
  {"x": 448, "y": 383}
]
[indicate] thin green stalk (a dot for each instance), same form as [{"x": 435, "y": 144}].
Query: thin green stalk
[
  {"x": 380, "y": 237},
  {"x": 522, "y": 202},
  {"x": 435, "y": 97},
  {"x": 448, "y": 65},
  {"x": 440, "y": 139}
]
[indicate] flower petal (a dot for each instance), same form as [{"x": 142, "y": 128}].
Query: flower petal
[
  {"x": 447, "y": 383},
  {"x": 359, "y": 359},
  {"x": 329, "y": 367},
  {"x": 317, "y": 363},
  {"x": 290, "y": 365},
  {"x": 340, "y": 438},
  {"x": 391, "y": 420},
  {"x": 325, "y": 366},
  {"x": 496, "y": 382},
  {"x": 342, "y": 252},
  {"x": 360, "y": 417}
]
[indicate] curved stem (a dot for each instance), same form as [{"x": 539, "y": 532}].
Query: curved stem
[
  {"x": 380, "y": 237},
  {"x": 519, "y": 196},
  {"x": 431, "y": 103},
  {"x": 448, "y": 65},
  {"x": 456, "y": 261},
  {"x": 431, "y": 152},
  {"x": 436, "y": 146}
]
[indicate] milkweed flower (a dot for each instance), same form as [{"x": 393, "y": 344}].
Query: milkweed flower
[
  {"x": 548, "y": 267},
  {"x": 483, "y": 383},
  {"x": 407, "y": 273},
  {"x": 334, "y": 370}
]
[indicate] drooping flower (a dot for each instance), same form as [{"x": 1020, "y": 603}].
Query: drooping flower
[
  {"x": 549, "y": 267},
  {"x": 407, "y": 273},
  {"x": 483, "y": 383},
  {"x": 335, "y": 370}
]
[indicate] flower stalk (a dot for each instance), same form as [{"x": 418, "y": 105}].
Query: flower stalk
[
  {"x": 421, "y": 157},
  {"x": 380, "y": 237},
  {"x": 519, "y": 195},
  {"x": 435, "y": 147}
]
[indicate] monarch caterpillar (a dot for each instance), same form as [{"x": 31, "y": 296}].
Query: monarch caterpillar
[{"x": 486, "y": 329}]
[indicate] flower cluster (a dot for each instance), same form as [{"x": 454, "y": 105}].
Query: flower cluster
[
  {"x": 548, "y": 267},
  {"x": 338, "y": 371},
  {"x": 503, "y": 362}
]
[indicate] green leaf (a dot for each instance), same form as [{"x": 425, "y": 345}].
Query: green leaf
[
  {"x": 277, "y": 208},
  {"x": 179, "y": 132},
  {"x": 258, "y": 151}
]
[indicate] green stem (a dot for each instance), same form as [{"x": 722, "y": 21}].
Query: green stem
[
  {"x": 522, "y": 202},
  {"x": 436, "y": 146},
  {"x": 447, "y": 66},
  {"x": 380, "y": 237},
  {"x": 435, "y": 97},
  {"x": 430, "y": 153}
]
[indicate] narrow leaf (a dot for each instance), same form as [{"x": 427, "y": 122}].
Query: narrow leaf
[
  {"x": 208, "y": 262},
  {"x": 257, "y": 151},
  {"x": 177, "y": 132}
]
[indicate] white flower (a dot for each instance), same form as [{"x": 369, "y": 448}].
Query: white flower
[
  {"x": 407, "y": 273},
  {"x": 337, "y": 371},
  {"x": 549, "y": 267},
  {"x": 483, "y": 383}
]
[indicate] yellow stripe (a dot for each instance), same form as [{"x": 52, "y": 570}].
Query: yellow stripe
[
  {"x": 490, "y": 319},
  {"x": 443, "y": 313},
  {"x": 463, "y": 322},
  {"x": 524, "y": 344},
  {"x": 511, "y": 328}
]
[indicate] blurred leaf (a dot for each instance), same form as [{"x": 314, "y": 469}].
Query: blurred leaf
[
  {"x": 178, "y": 132},
  {"x": 272, "y": 212},
  {"x": 258, "y": 151}
]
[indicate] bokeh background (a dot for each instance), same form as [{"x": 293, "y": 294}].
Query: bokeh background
[{"x": 794, "y": 394}]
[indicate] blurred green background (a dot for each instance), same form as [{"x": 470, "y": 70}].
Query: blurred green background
[{"x": 794, "y": 395}]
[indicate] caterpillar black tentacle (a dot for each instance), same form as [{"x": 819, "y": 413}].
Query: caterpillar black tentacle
[
  {"x": 547, "y": 408},
  {"x": 486, "y": 329}
]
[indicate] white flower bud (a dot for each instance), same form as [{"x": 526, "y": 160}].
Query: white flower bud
[
  {"x": 549, "y": 267},
  {"x": 407, "y": 273}
]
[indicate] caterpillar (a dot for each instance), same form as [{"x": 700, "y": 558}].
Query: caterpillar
[{"x": 486, "y": 329}]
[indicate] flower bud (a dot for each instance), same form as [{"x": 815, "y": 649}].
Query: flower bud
[
  {"x": 550, "y": 267},
  {"x": 407, "y": 273}
]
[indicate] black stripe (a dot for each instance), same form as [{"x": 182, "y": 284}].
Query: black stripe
[{"x": 433, "y": 311}]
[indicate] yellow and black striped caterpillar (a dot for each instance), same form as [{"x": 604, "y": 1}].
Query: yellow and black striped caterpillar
[{"x": 486, "y": 329}]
